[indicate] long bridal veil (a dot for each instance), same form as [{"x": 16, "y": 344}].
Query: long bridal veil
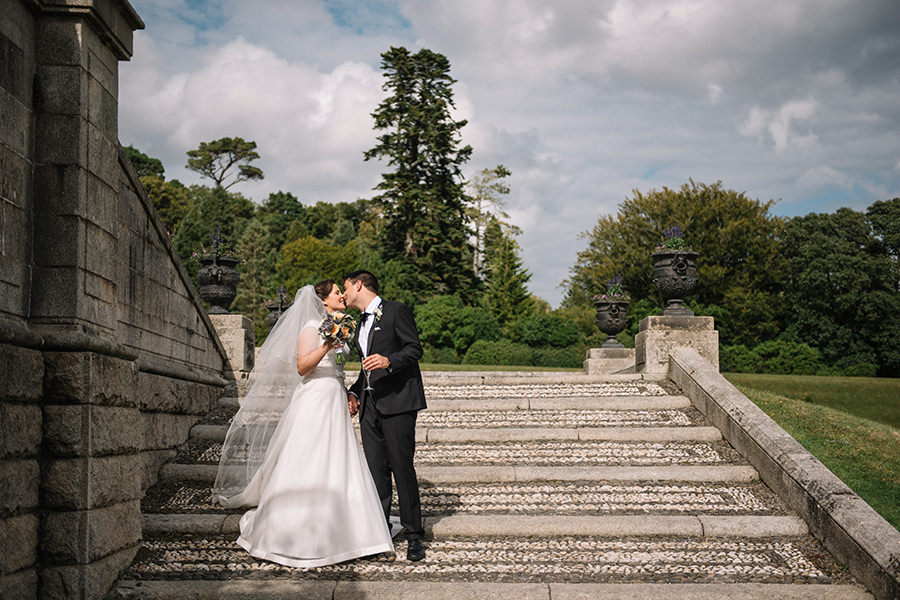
[{"x": 274, "y": 378}]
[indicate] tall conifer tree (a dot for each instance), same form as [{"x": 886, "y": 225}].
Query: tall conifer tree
[
  {"x": 505, "y": 276},
  {"x": 426, "y": 229}
]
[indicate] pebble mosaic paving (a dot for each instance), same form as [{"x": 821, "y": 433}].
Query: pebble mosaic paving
[
  {"x": 569, "y": 559},
  {"x": 570, "y": 453},
  {"x": 545, "y": 390},
  {"x": 564, "y": 453},
  {"x": 558, "y": 498},
  {"x": 474, "y": 419}
]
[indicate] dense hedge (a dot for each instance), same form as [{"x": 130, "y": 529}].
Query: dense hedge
[{"x": 782, "y": 357}]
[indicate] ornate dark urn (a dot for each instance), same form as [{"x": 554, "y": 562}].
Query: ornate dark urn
[
  {"x": 611, "y": 320},
  {"x": 276, "y": 306},
  {"x": 274, "y": 312},
  {"x": 675, "y": 275},
  {"x": 218, "y": 280}
]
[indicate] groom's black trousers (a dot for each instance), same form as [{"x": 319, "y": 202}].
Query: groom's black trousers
[{"x": 389, "y": 442}]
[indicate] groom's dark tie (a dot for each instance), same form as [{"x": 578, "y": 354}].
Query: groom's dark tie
[{"x": 363, "y": 317}]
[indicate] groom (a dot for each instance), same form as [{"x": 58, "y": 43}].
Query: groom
[{"x": 390, "y": 348}]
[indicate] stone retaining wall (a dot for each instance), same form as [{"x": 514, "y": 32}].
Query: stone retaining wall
[
  {"x": 848, "y": 527},
  {"x": 107, "y": 357}
]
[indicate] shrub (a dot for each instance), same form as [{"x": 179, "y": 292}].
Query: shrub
[
  {"x": 440, "y": 356},
  {"x": 860, "y": 370},
  {"x": 444, "y": 322},
  {"x": 738, "y": 359},
  {"x": 546, "y": 330},
  {"x": 503, "y": 352},
  {"x": 782, "y": 357},
  {"x": 571, "y": 357}
]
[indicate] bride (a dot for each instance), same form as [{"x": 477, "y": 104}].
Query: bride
[{"x": 292, "y": 453}]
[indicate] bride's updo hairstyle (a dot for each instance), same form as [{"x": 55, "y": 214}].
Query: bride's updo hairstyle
[{"x": 323, "y": 288}]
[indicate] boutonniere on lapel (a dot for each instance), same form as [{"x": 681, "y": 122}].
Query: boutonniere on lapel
[{"x": 377, "y": 314}]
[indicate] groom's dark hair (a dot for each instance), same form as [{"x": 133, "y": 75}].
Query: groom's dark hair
[{"x": 367, "y": 279}]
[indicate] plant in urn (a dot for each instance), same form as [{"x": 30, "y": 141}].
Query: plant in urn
[
  {"x": 612, "y": 308},
  {"x": 218, "y": 276},
  {"x": 675, "y": 272}
]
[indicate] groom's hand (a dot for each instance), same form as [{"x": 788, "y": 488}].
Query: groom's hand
[
  {"x": 353, "y": 404},
  {"x": 375, "y": 361}
]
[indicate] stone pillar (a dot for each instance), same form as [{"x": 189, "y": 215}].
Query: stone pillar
[
  {"x": 90, "y": 525},
  {"x": 604, "y": 361},
  {"x": 237, "y": 336},
  {"x": 91, "y": 488},
  {"x": 658, "y": 335},
  {"x": 21, "y": 377}
]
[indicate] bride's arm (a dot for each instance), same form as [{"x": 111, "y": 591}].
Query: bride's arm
[{"x": 311, "y": 349}]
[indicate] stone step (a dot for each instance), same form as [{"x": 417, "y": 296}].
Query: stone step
[
  {"x": 535, "y": 498},
  {"x": 548, "y": 526},
  {"x": 531, "y": 448},
  {"x": 216, "y": 433},
  {"x": 284, "y": 589},
  {"x": 206, "y": 473},
  {"x": 536, "y": 403},
  {"x": 517, "y": 559}
]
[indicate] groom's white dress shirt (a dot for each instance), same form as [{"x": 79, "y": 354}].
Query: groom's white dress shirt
[{"x": 366, "y": 327}]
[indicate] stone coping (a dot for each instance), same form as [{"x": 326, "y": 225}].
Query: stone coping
[
  {"x": 481, "y": 474},
  {"x": 400, "y": 590},
  {"x": 495, "y": 377},
  {"x": 848, "y": 527},
  {"x": 548, "y": 526}
]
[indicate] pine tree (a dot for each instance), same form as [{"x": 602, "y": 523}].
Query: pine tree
[
  {"x": 256, "y": 278},
  {"x": 504, "y": 275},
  {"x": 426, "y": 232}
]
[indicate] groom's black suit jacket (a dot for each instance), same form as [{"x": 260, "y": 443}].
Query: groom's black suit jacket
[{"x": 398, "y": 389}]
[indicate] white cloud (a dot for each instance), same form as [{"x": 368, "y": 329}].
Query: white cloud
[
  {"x": 779, "y": 125},
  {"x": 582, "y": 100},
  {"x": 824, "y": 176}
]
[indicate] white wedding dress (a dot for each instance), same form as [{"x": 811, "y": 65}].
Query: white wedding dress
[{"x": 316, "y": 503}]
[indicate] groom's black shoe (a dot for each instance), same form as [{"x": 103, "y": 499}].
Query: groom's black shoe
[{"x": 415, "y": 550}]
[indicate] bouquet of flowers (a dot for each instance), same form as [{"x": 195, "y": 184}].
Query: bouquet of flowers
[{"x": 337, "y": 327}]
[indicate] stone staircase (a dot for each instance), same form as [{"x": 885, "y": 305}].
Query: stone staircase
[{"x": 553, "y": 486}]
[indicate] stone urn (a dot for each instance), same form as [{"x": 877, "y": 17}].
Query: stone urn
[
  {"x": 275, "y": 310},
  {"x": 675, "y": 275},
  {"x": 611, "y": 320},
  {"x": 218, "y": 278}
]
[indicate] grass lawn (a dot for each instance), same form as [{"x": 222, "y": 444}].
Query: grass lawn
[
  {"x": 832, "y": 424},
  {"x": 873, "y": 398}
]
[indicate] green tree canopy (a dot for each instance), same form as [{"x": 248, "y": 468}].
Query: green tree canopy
[
  {"x": 143, "y": 164},
  {"x": 309, "y": 260},
  {"x": 425, "y": 229},
  {"x": 842, "y": 290},
  {"x": 170, "y": 198},
  {"x": 278, "y": 213},
  {"x": 211, "y": 209},
  {"x": 505, "y": 277},
  {"x": 736, "y": 237},
  {"x": 217, "y": 159}
]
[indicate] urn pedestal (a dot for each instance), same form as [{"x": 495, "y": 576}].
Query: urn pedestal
[
  {"x": 659, "y": 335},
  {"x": 236, "y": 334},
  {"x": 607, "y": 361}
]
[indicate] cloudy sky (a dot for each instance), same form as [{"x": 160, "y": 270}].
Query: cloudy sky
[{"x": 583, "y": 100}]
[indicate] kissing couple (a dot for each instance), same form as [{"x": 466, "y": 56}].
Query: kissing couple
[{"x": 291, "y": 451}]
